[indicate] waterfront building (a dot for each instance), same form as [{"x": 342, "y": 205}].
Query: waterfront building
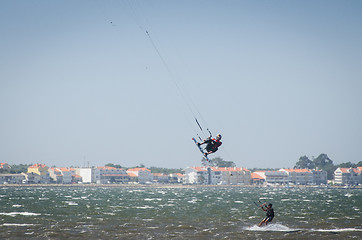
[
  {"x": 217, "y": 175},
  {"x": 113, "y": 175},
  {"x": 11, "y": 178},
  {"x": 61, "y": 175},
  {"x": 299, "y": 176},
  {"x": 67, "y": 174},
  {"x": 144, "y": 175},
  {"x": 274, "y": 177},
  {"x": 348, "y": 176},
  {"x": 160, "y": 177},
  {"x": 132, "y": 177},
  {"x": 55, "y": 175},
  {"x": 88, "y": 174},
  {"x": 319, "y": 177},
  {"x": 176, "y": 178},
  {"x": 292, "y": 176},
  {"x": 257, "y": 179},
  {"x": 76, "y": 178},
  {"x": 32, "y": 178},
  {"x": 41, "y": 170}
]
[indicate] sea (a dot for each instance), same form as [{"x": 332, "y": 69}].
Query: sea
[{"x": 192, "y": 212}]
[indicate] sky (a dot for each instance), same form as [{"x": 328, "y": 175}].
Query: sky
[{"x": 97, "y": 82}]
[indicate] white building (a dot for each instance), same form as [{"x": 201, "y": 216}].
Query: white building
[
  {"x": 160, "y": 177},
  {"x": 11, "y": 178},
  {"x": 257, "y": 179},
  {"x": 55, "y": 175},
  {"x": 62, "y": 175},
  {"x": 348, "y": 176},
  {"x": 274, "y": 177},
  {"x": 176, "y": 178},
  {"x": 112, "y": 175},
  {"x": 32, "y": 178},
  {"x": 89, "y": 175},
  {"x": 294, "y": 176},
  {"x": 299, "y": 176},
  {"x": 144, "y": 175},
  {"x": 319, "y": 177},
  {"x": 216, "y": 175}
]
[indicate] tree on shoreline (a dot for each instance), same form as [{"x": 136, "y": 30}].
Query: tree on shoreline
[
  {"x": 219, "y": 162},
  {"x": 305, "y": 162},
  {"x": 21, "y": 168}
]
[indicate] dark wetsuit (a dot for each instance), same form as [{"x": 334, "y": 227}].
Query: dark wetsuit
[
  {"x": 212, "y": 144},
  {"x": 269, "y": 215}
]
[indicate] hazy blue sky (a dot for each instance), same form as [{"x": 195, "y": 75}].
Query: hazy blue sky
[{"x": 82, "y": 81}]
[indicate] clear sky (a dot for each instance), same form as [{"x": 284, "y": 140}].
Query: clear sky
[{"x": 81, "y": 81}]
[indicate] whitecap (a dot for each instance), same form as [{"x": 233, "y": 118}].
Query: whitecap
[
  {"x": 112, "y": 214},
  {"x": 147, "y": 219},
  {"x": 194, "y": 200},
  {"x": 18, "y": 224},
  {"x": 338, "y": 230},
  {"x": 17, "y": 205},
  {"x": 284, "y": 200},
  {"x": 13, "y": 214},
  {"x": 70, "y": 203},
  {"x": 144, "y": 207},
  {"x": 271, "y": 228},
  {"x": 153, "y": 199}
]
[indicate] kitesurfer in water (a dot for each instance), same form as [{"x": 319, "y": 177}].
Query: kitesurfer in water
[
  {"x": 213, "y": 144},
  {"x": 269, "y": 214}
]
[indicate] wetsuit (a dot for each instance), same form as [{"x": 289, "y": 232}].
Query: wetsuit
[
  {"x": 212, "y": 144},
  {"x": 269, "y": 215}
]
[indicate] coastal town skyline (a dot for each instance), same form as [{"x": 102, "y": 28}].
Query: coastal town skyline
[{"x": 210, "y": 175}]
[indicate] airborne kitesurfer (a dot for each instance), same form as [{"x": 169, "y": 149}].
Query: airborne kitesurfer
[
  {"x": 213, "y": 144},
  {"x": 269, "y": 214}
]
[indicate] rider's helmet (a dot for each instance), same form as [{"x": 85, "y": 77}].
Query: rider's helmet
[{"x": 218, "y": 136}]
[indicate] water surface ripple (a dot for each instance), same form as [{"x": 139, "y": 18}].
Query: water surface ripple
[{"x": 178, "y": 213}]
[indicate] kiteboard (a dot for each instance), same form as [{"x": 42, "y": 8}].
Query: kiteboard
[{"x": 201, "y": 150}]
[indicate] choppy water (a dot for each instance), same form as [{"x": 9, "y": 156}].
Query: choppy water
[{"x": 177, "y": 213}]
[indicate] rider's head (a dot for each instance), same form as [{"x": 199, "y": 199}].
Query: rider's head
[
  {"x": 218, "y": 137},
  {"x": 270, "y": 205}
]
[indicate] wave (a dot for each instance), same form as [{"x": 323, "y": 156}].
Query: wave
[
  {"x": 18, "y": 224},
  {"x": 13, "y": 214},
  {"x": 272, "y": 228},
  {"x": 70, "y": 203},
  {"x": 338, "y": 230}
]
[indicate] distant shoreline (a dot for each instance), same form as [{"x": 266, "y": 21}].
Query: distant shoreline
[{"x": 170, "y": 186}]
